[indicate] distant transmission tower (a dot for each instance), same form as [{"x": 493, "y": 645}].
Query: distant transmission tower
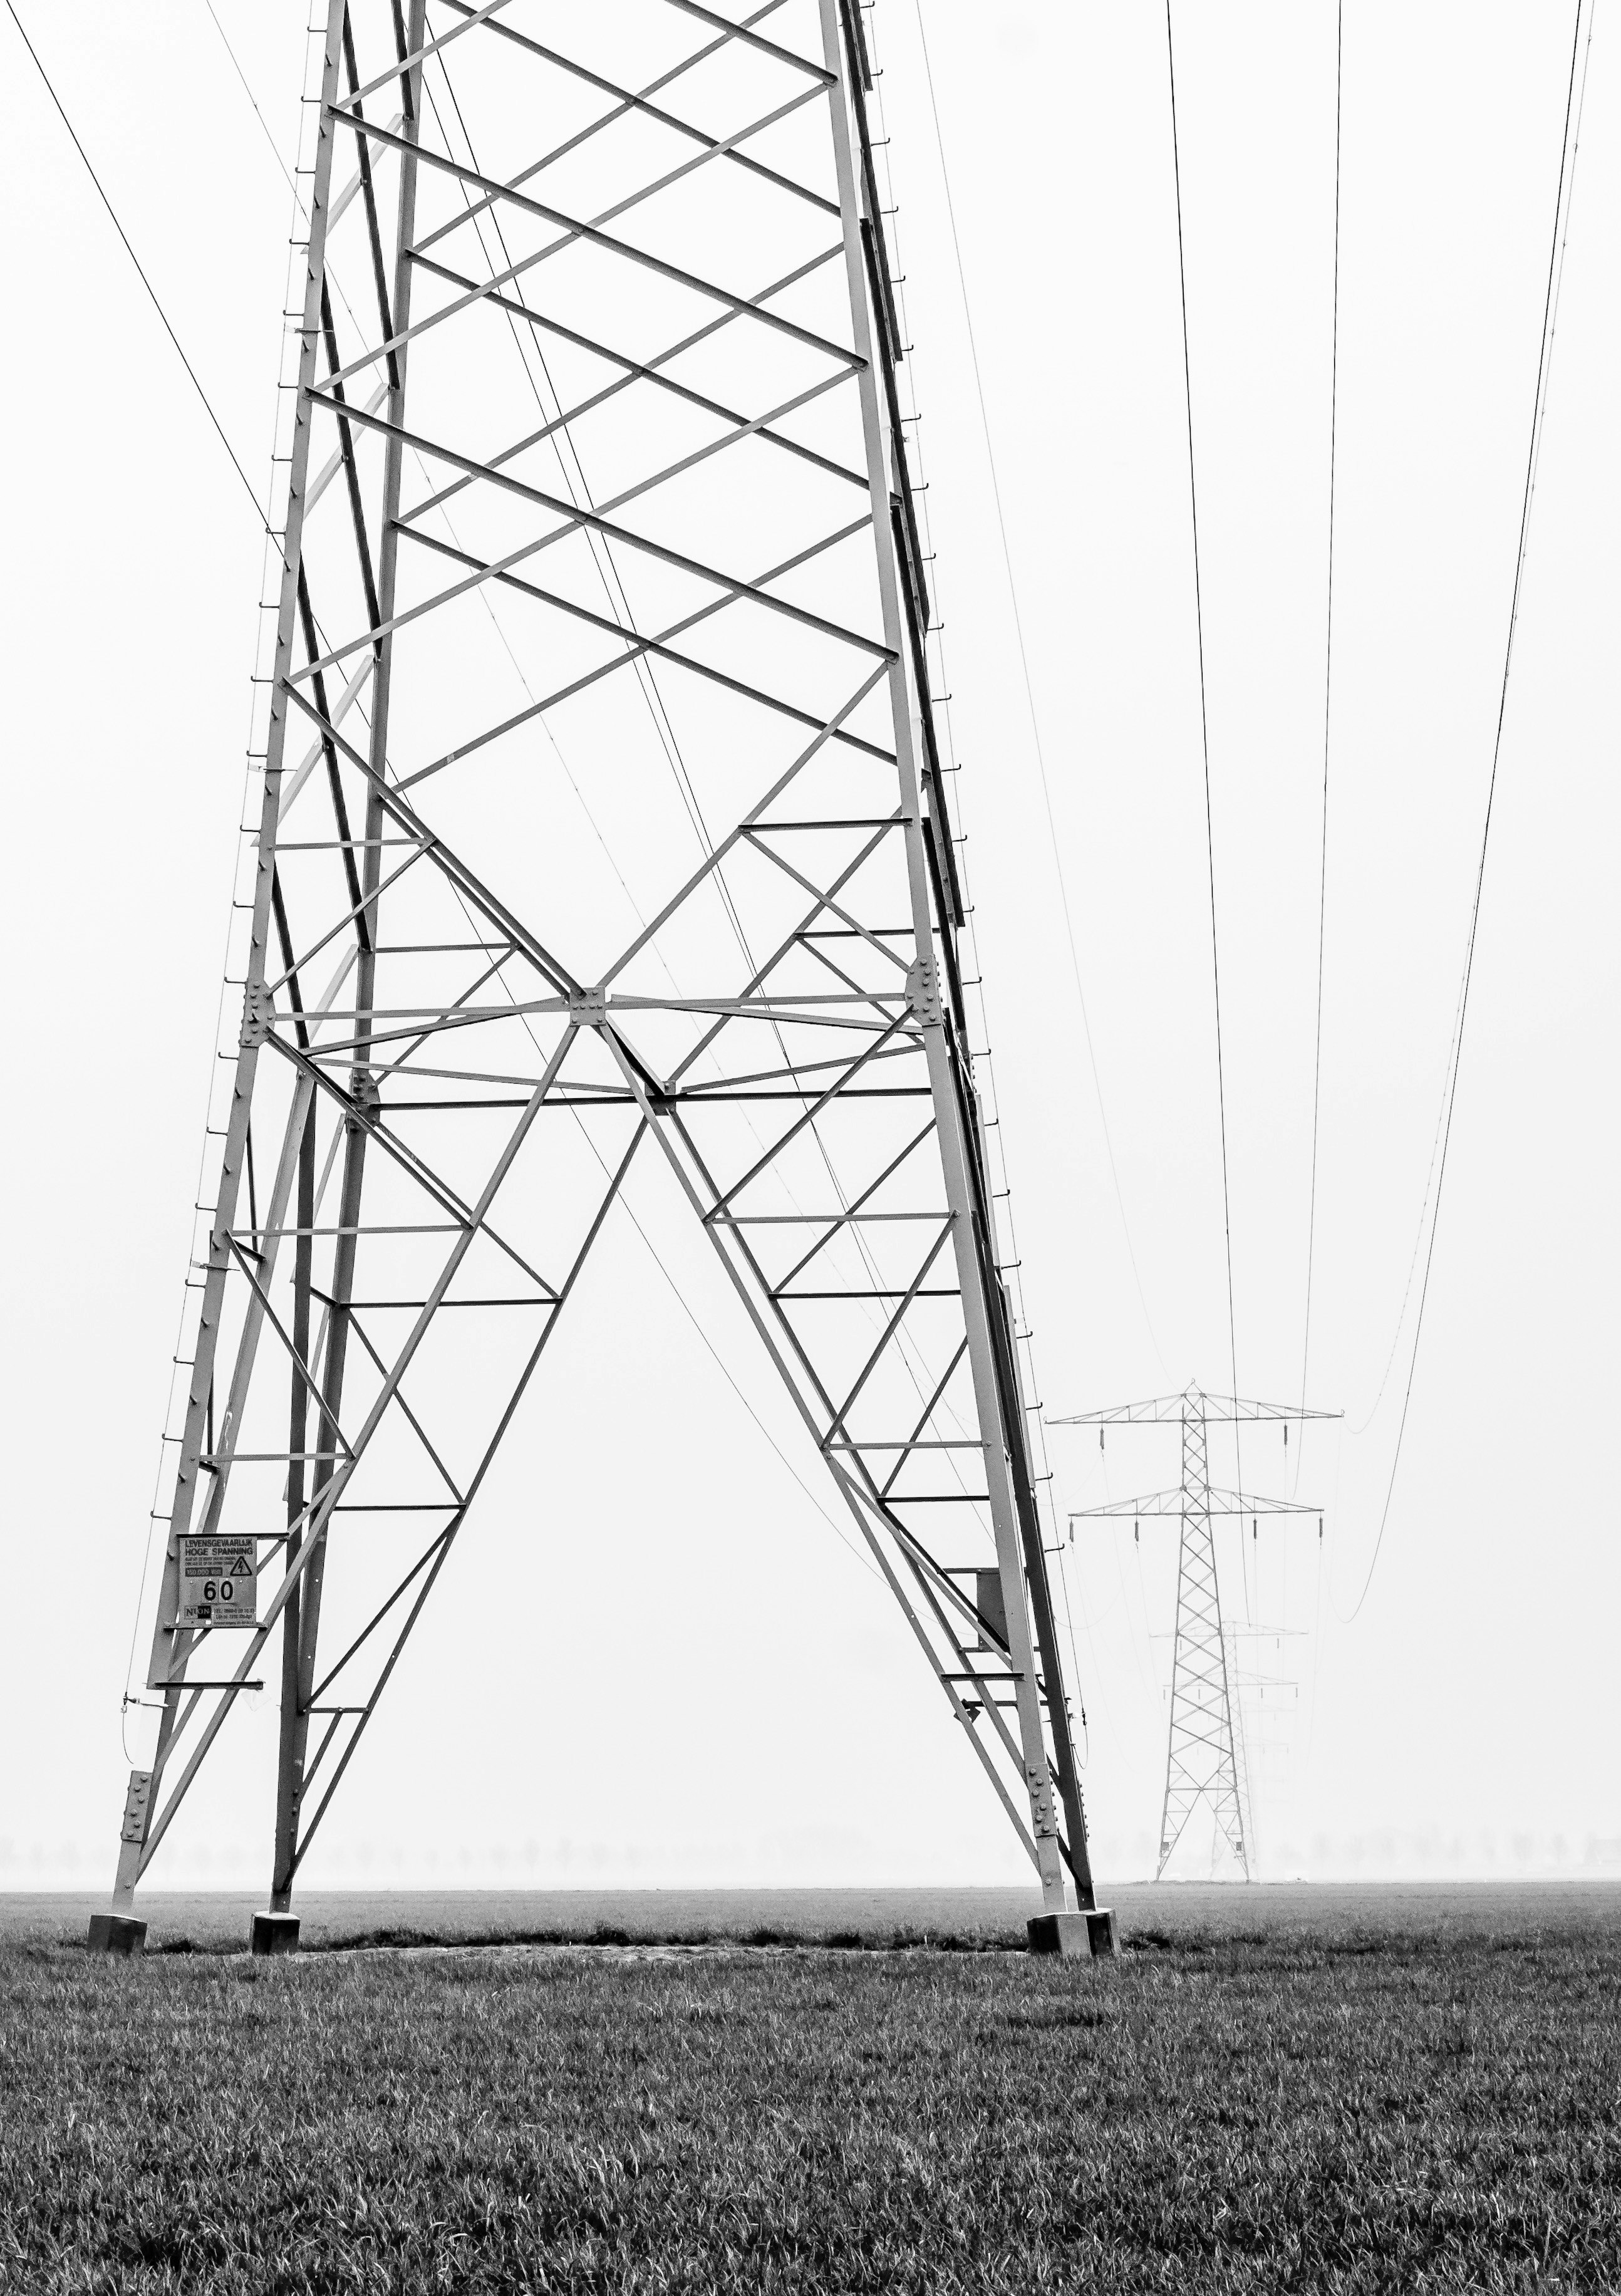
[
  {"x": 596, "y": 525},
  {"x": 1206, "y": 1760}
]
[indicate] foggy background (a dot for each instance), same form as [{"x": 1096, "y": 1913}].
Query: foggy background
[{"x": 653, "y": 1657}]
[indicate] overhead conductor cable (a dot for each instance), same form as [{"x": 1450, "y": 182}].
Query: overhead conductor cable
[
  {"x": 1204, "y": 723},
  {"x": 1561, "y": 216}
]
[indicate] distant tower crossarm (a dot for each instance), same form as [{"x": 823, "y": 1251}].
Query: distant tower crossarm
[{"x": 1205, "y": 1757}]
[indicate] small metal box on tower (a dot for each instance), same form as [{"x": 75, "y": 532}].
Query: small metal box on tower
[{"x": 992, "y": 1609}]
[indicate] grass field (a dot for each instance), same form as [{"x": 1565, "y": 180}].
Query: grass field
[{"x": 1254, "y": 2097}]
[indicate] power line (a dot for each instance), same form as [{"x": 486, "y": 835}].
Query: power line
[
  {"x": 1204, "y": 723},
  {"x": 687, "y": 1309},
  {"x": 219, "y": 431},
  {"x": 252, "y": 99},
  {"x": 1024, "y": 663},
  {"x": 1538, "y": 410},
  {"x": 1419, "y": 1231},
  {"x": 135, "y": 259},
  {"x": 1328, "y": 691}
]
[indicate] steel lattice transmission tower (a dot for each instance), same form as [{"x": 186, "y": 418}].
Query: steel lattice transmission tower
[
  {"x": 1206, "y": 1760},
  {"x": 594, "y": 453}
]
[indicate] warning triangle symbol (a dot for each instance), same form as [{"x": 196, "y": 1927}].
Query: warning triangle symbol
[{"x": 242, "y": 1568}]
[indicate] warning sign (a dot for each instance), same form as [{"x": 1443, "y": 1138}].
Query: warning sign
[{"x": 218, "y": 1582}]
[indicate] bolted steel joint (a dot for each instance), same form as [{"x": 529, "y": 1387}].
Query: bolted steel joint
[
  {"x": 1041, "y": 1803},
  {"x": 258, "y": 1013},
  {"x": 923, "y": 992},
  {"x": 588, "y": 1008}
]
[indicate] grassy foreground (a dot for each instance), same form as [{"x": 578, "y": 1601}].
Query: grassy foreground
[{"x": 1277, "y": 2112}]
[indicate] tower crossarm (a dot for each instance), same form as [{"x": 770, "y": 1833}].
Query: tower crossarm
[
  {"x": 1239, "y": 1407},
  {"x": 1159, "y": 1410},
  {"x": 1152, "y": 1503},
  {"x": 1180, "y": 1501},
  {"x": 1170, "y": 1410}
]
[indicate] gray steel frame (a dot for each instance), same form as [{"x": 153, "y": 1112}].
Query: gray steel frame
[{"x": 852, "y": 1020}]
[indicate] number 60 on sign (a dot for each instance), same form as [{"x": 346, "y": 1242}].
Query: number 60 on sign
[{"x": 218, "y": 1582}]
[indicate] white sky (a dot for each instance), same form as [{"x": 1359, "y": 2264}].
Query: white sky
[{"x": 652, "y": 1660}]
